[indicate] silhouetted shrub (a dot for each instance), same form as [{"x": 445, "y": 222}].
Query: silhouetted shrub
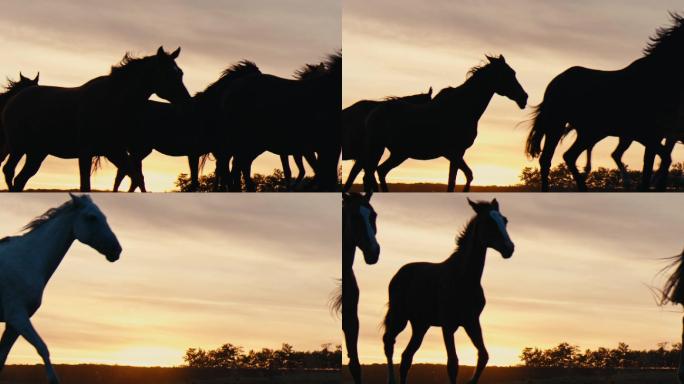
[
  {"x": 569, "y": 356},
  {"x": 231, "y": 356}
]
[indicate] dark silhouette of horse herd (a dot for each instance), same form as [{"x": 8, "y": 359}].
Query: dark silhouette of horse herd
[
  {"x": 240, "y": 116},
  {"x": 448, "y": 295},
  {"x": 642, "y": 102}
]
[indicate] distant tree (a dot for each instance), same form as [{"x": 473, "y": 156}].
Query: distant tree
[
  {"x": 567, "y": 356},
  {"x": 275, "y": 182},
  {"x": 601, "y": 179}
]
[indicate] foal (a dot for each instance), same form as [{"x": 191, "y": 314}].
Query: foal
[{"x": 447, "y": 294}]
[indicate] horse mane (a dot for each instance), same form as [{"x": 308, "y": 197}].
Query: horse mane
[
  {"x": 667, "y": 39},
  {"x": 238, "y": 70},
  {"x": 467, "y": 230},
  {"x": 48, "y": 215},
  {"x": 333, "y": 62},
  {"x": 335, "y": 302},
  {"x": 309, "y": 71},
  {"x": 673, "y": 291},
  {"x": 11, "y": 85},
  {"x": 128, "y": 63}
]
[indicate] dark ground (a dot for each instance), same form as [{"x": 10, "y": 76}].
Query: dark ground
[
  {"x": 106, "y": 374},
  {"x": 436, "y": 374},
  {"x": 436, "y": 187}
]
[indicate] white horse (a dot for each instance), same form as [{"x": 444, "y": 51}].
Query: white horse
[{"x": 28, "y": 261}]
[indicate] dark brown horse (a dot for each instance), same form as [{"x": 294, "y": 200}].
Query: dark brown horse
[
  {"x": 444, "y": 127},
  {"x": 11, "y": 89},
  {"x": 358, "y": 231},
  {"x": 287, "y": 117},
  {"x": 95, "y": 119},
  {"x": 639, "y": 103},
  {"x": 447, "y": 294},
  {"x": 354, "y": 128},
  {"x": 190, "y": 130}
]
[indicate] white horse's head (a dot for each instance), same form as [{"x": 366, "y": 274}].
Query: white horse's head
[{"x": 91, "y": 228}]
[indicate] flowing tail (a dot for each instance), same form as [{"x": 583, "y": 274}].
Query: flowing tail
[
  {"x": 335, "y": 302},
  {"x": 96, "y": 164},
  {"x": 673, "y": 292}
]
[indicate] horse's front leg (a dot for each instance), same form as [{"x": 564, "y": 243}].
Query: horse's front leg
[
  {"x": 22, "y": 324},
  {"x": 452, "y": 358},
  {"x": 474, "y": 331},
  {"x": 647, "y": 170},
  {"x": 193, "y": 164},
  {"x": 85, "y": 166},
  {"x": 9, "y": 337},
  {"x": 665, "y": 153}
]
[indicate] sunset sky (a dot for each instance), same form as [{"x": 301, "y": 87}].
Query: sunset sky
[
  {"x": 402, "y": 47},
  {"x": 73, "y": 41},
  {"x": 196, "y": 271},
  {"x": 580, "y": 273}
]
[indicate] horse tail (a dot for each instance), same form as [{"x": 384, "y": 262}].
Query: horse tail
[
  {"x": 96, "y": 164},
  {"x": 673, "y": 291},
  {"x": 335, "y": 302}
]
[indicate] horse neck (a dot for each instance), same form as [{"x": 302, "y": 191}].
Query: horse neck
[
  {"x": 131, "y": 87},
  {"x": 348, "y": 244},
  {"x": 468, "y": 261},
  {"x": 49, "y": 243},
  {"x": 481, "y": 91}
]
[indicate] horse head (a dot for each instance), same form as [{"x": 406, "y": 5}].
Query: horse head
[
  {"x": 505, "y": 82},
  {"x": 493, "y": 233}
]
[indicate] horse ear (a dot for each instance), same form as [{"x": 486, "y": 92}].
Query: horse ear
[
  {"x": 472, "y": 204},
  {"x": 160, "y": 51},
  {"x": 37, "y": 77},
  {"x": 22, "y": 77},
  {"x": 490, "y": 58},
  {"x": 430, "y": 92},
  {"x": 75, "y": 199},
  {"x": 495, "y": 204},
  {"x": 174, "y": 54},
  {"x": 503, "y": 59}
]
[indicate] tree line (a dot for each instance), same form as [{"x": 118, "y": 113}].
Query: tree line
[
  {"x": 570, "y": 356},
  {"x": 229, "y": 356},
  {"x": 601, "y": 179},
  {"x": 275, "y": 182}
]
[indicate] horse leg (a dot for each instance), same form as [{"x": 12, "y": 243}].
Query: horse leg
[
  {"x": 647, "y": 170},
  {"x": 461, "y": 164},
  {"x": 120, "y": 175},
  {"x": 22, "y": 324},
  {"x": 136, "y": 164},
  {"x": 9, "y": 337},
  {"x": 587, "y": 166},
  {"x": 453, "y": 170},
  {"x": 10, "y": 167},
  {"x": 418, "y": 332},
  {"x": 31, "y": 167},
  {"x": 370, "y": 164},
  {"x": 221, "y": 172},
  {"x": 193, "y": 164},
  {"x": 85, "y": 164},
  {"x": 680, "y": 371},
  {"x": 287, "y": 171},
  {"x": 570, "y": 157},
  {"x": 301, "y": 171},
  {"x": 665, "y": 161},
  {"x": 452, "y": 358},
  {"x": 394, "y": 324},
  {"x": 245, "y": 167},
  {"x": 350, "y": 324},
  {"x": 383, "y": 169},
  {"x": 474, "y": 332},
  {"x": 550, "y": 143},
  {"x": 356, "y": 169},
  {"x": 622, "y": 146}
]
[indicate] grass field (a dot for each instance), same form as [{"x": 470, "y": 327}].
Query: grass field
[
  {"x": 105, "y": 374},
  {"x": 436, "y": 374}
]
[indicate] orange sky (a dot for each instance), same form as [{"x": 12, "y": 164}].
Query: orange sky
[
  {"x": 70, "y": 42},
  {"x": 402, "y": 47},
  {"x": 580, "y": 273},
  {"x": 196, "y": 271}
]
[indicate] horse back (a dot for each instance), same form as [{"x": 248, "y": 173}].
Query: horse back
[{"x": 353, "y": 127}]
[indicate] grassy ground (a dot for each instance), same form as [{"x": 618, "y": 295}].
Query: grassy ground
[
  {"x": 436, "y": 187},
  {"x": 436, "y": 374},
  {"x": 104, "y": 374}
]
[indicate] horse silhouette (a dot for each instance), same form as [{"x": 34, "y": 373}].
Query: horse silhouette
[
  {"x": 28, "y": 261},
  {"x": 447, "y": 294},
  {"x": 11, "y": 89},
  {"x": 354, "y": 129},
  {"x": 673, "y": 292},
  {"x": 287, "y": 117},
  {"x": 190, "y": 130},
  {"x": 640, "y": 102},
  {"x": 444, "y": 127},
  {"x": 95, "y": 119},
  {"x": 358, "y": 231}
]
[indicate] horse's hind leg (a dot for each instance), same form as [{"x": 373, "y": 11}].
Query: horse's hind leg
[
  {"x": 350, "y": 324},
  {"x": 665, "y": 161},
  {"x": 571, "y": 155},
  {"x": 120, "y": 175},
  {"x": 301, "y": 171},
  {"x": 287, "y": 171},
  {"x": 10, "y": 167},
  {"x": 356, "y": 169},
  {"x": 620, "y": 150},
  {"x": 418, "y": 332},
  {"x": 459, "y": 163},
  {"x": 452, "y": 358},
  {"x": 22, "y": 324},
  {"x": 8, "y": 338},
  {"x": 383, "y": 169},
  {"x": 394, "y": 324},
  {"x": 474, "y": 331},
  {"x": 550, "y": 143},
  {"x": 31, "y": 167}
]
